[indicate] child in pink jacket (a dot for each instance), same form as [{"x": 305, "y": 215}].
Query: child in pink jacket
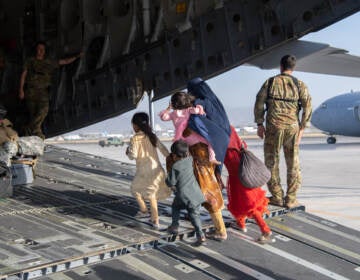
[{"x": 182, "y": 106}]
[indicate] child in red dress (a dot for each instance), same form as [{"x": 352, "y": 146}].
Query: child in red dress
[{"x": 244, "y": 202}]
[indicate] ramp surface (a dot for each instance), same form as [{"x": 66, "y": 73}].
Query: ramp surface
[{"x": 77, "y": 221}]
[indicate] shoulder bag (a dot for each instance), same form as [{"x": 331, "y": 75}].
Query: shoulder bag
[{"x": 253, "y": 173}]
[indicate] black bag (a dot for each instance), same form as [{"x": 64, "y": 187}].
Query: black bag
[{"x": 253, "y": 173}]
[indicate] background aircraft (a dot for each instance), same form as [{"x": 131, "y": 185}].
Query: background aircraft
[{"x": 339, "y": 115}]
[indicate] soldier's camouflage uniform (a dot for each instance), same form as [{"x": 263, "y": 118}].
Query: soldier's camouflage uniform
[
  {"x": 38, "y": 80},
  {"x": 282, "y": 128}
]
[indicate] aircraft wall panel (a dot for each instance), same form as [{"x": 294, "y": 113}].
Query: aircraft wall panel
[
  {"x": 117, "y": 8},
  {"x": 69, "y": 14},
  {"x": 237, "y": 29},
  {"x": 119, "y": 30},
  {"x": 157, "y": 47},
  {"x": 93, "y": 11},
  {"x": 10, "y": 11},
  {"x": 175, "y": 13}
]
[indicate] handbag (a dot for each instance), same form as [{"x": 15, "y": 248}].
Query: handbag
[{"x": 253, "y": 173}]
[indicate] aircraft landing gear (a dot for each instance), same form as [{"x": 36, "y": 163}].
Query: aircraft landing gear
[{"x": 331, "y": 140}]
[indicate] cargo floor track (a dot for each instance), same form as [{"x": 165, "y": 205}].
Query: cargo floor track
[{"x": 77, "y": 221}]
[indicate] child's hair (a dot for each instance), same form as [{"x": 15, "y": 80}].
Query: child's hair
[
  {"x": 180, "y": 148},
  {"x": 181, "y": 100},
  {"x": 141, "y": 119}
]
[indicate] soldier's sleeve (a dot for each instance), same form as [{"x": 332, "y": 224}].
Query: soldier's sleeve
[
  {"x": 259, "y": 108},
  {"x": 27, "y": 64},
  {"x": 305, "y": 99},
  {"x": 55, "y": 63}
]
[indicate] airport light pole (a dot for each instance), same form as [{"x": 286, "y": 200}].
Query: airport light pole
[{"x": 151, "y": 109}]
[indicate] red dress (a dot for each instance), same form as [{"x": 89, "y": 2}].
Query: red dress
[{"x": 242, "y": 201}]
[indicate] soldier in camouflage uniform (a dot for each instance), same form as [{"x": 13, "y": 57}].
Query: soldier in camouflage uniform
[
  {"x": 282, "y": 97},
  {"x": 36, "y": 77}
]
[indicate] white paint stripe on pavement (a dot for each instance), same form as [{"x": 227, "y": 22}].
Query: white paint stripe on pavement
[
  {"x": 330, "y": 229},
  {"x": 314, "y": 239},
  {"x": 149, "y": 270},
  {"x": 292, "y": 258},
  {"x": 239, "y": 266}
]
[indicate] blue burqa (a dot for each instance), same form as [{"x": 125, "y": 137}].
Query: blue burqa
[{"x": 214, "y": 126}]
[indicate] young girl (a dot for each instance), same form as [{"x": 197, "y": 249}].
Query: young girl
[
  {"x": 244, "y": 202},
  {"x": 149, "y": 181},
  {"x": 182, "y": 106}
]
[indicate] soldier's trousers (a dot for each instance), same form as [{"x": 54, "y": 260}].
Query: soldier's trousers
[
  {"x": 275, "y": 139},
  {"x": 38, "y": 110}
]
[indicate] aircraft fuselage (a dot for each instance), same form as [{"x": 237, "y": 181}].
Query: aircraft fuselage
[{"x": 339, "y": 115}]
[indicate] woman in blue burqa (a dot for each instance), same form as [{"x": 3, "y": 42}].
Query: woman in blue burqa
[{"x": 214, "y": 127}]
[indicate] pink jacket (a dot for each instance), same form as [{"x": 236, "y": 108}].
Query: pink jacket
[{"x": 180, "y": 118}]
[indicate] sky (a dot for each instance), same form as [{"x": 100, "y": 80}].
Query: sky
[{"x": 244, "y": 82}]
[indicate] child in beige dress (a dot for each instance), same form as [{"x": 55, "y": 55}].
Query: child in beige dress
[{"x": 149, "y": 181}]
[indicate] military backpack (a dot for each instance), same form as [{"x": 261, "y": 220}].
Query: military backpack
[{"x": 270, "y": 96}]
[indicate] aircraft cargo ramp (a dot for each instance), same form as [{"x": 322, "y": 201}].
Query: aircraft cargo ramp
[{"x": 76, "y": 221}]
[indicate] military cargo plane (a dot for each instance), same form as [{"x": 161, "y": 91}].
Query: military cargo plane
[
  {"x": 137, "y": 47},
  {"x": 77, "y": 220},
  {"x": 339, "y": 115}
]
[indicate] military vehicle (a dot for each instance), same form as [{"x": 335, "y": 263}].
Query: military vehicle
[{"x": 111, "y": 141}]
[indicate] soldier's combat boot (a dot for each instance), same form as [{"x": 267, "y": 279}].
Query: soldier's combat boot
[
  {"x": 276, "y": 201},
  {"x": 291, "y": 201},
  {"x": 291, "y": 204},
  {"x": 277, "y": 195}
]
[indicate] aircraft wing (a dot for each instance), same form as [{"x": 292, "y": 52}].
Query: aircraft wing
[{"x": 312, "y": 57}]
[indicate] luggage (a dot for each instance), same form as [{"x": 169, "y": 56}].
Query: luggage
[
  {"x": 6, "y": 188},
  {"x": 7, "y": 151},
  {"x": 21, "y": 174},
  {"x": 31, "y": 146},
  {"x": 22, "y": 171},
  {"x": 4, "y": 157},
  {"x": 252, "y": 171}
]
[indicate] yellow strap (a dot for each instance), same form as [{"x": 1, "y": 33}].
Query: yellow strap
[{"x": 27, "y": 162}]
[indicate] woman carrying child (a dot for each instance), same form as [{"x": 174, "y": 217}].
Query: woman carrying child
[
  {"x": 182, "y": 105},
  {"x": 215, "y": 128},
  {"x": 149, "y": 180}
]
